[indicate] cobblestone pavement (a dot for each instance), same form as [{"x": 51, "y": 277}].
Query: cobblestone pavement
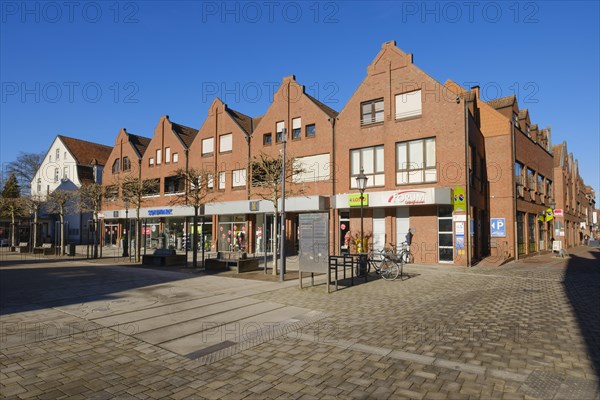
[{"x": 525, "y": 330}]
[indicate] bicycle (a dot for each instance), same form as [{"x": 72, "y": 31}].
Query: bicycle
[
  {"x": 387, "y": 267},
  {"x": 405, "y": 254}
]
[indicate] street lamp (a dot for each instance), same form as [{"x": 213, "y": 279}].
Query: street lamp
[
  {"x": 361, "y": 183},
  {"x": 282, "y": 227},
  {"x": 125, "y": 241}
]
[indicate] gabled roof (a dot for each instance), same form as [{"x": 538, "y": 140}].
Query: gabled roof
[
  {"x": 185, "y": 133},
  {"x": 326, "y": 109},
  {"x": 139, "y": 143},
  {"x": 257, "y": 120},
  {"x": 558, "y": 155},
  {"x": 86, "y": 153},
  {"x": 523, "y": 113},
  {"x": 244, "y": 121},
  {"x": 502, "y": 102}
]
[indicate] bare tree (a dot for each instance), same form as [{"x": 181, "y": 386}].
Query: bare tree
[
  {"x": 133, "y": 190},
  {"x": 266, "y": 176},
  {"x": 60, "y": 202},
  {"x": 197, "y": 194},
  {"x": 34, "y": 204},
  {"x": 24, "y": 168},
  {"x": 90, "y": 200}
]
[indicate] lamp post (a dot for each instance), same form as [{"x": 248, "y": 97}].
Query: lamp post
[
  {"x": 282, "y": 235},
  {"x": 125, "y": 241},
  {"x": 361, "y": 183}
]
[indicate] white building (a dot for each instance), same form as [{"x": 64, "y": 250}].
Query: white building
[{"x": 68, "y": 164}]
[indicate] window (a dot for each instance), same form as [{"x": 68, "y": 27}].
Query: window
[
  {"x": 371, "y": 112},
  {"x": 208, "y": 146},
  {"x": 314, "y": 168},
  {"x": 239, "y": 178},
  {"x": 528, "y": 129},
  {"x": 267, "y": 139},
  {"x": 211, "y": 183},
  {"x": 519, "y": 173},
  {"x": 57, "y": 154},
  {"x": 126, "y": 164},
  {"x": 56, "y": 172},
  {"x": 39, "y": 185},
  {"x": 65, "y": 156},
  {"x": 296, "y": 128},
  {"x": 311, "y": 130},
  {"x": 225, "y": 143},
  {"x": 516, "y": 119},
  {"x": 167, "y": 155},
  {"x": 222, "y": 181},
  {"x": 445, "y": 247},
  {"x": 530, "y": 179},
  {"x": 279, "y": 131},
  {"x": 116, "y": 167},
  {"x": 174, "y": 184},
  {"x": 158, "y": 156},
  {"x": 175, "y": 157},
  {"x": 111, "y": 192},
  {"x": 408, "y": 104},
  {"x": 416, "y": 161},
  {"x": 370, "y": 159},
  {"x": 66, "y": 173},
  {"x": 151, "y": 161},
  {"x": 548, "y": 188},
  {"x": 151, "y": 187},
  {"x": 540, "y": 183}
]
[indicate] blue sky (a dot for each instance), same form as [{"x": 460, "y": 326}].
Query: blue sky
[{"x": 89, "y": 69}]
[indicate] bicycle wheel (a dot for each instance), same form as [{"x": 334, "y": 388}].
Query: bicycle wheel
[
  {"x": 389, "y": 270},
  {"x": 408, "y": 258}
]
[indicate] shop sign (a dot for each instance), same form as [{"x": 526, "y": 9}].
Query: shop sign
[
  {"x": 459, "y": 228},
  {"x": 100, "y": 216},
  {"x": 254, "y": 205},
  {"x": 498, "y": 227},
  {"x": 164, "y": 211},
  {"x": 558, "y": 212},
  {"x": 354, "y": 200},
  {"x": 408, "y": 197},
  {"x": 459, "y": 199}
]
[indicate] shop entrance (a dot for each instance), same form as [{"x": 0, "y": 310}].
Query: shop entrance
[
  {"x": 111, "y": 233},
  {"x": 232, "y": 233}
]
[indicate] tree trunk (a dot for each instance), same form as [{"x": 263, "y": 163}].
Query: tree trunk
[
  {"x": 195, "y": 239},
  {"x": 95, "y": 236},
  {"x": 35, "y": 233},
  {"x": 62, "y": 235},
  {"x": 276, "y": 247},
  {"x": 138, "y": 225},
  {"x": 13, "y": 228}
]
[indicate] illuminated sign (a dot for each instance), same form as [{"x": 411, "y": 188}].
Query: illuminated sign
[
  {"x": 165, "y": 211},
  {"x": 408, "y": 197},
  {"x": 354, "y": 200}
]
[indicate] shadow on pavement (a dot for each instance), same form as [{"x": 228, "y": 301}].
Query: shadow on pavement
[
  {"x": 32, "y": 288},
  {"x": 582, "y": 286}
]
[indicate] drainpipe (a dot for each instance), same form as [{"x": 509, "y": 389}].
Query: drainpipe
[
  {"x": 468, "y": 185},
  {"x": 333, "y": 178},
  {"x": 515, "y": 194}
]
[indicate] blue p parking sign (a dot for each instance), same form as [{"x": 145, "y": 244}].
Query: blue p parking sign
[{"x": 498, "y": 227}]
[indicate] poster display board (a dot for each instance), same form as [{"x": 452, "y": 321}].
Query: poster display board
[{"x": 314, "y": 242}]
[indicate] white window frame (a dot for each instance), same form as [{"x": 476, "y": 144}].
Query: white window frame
[
  {"x": 238, "y": 178},
  {"x": 208, "y": 146},
  {"x": 222, "y": 180},
  {"x": 297, "y": 128},
  {"x": 409, "y": 105},
  {"x": 158, "y": 156},
  {"x": 226, "y": 143},
  {"x": 175, "y": 157},
  {"x": 376, "y": 115},
  {"x": 167, "y": 155},
  {"x": 151, "y": 161},
  {"x": 421, "y": 171},
  {"x": 375, "y": 173},
  {"x": 279, "y": 127}
]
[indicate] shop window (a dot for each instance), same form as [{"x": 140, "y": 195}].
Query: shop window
[
  {"x": 445, "y": 242},
  {"x": 371, "y": 112},
  {"x": 521, "y": 232},
  {"x": 531, "y": 218},
  {"x": 370, "y": 160},
  {"x": 416, "y": 161}
]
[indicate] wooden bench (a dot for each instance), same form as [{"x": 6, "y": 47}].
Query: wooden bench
[
  {"x": 232, "y": 261},
  {"x": 23, "y": 247},
  {"x": 46, "y": 249},
  {"x": 164, "y": 258}
]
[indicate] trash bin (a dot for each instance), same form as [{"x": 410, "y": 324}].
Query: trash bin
[{"x": 71, "y": 249}]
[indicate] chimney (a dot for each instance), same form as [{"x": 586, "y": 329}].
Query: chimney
[{"x": 476, "y": 90}]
